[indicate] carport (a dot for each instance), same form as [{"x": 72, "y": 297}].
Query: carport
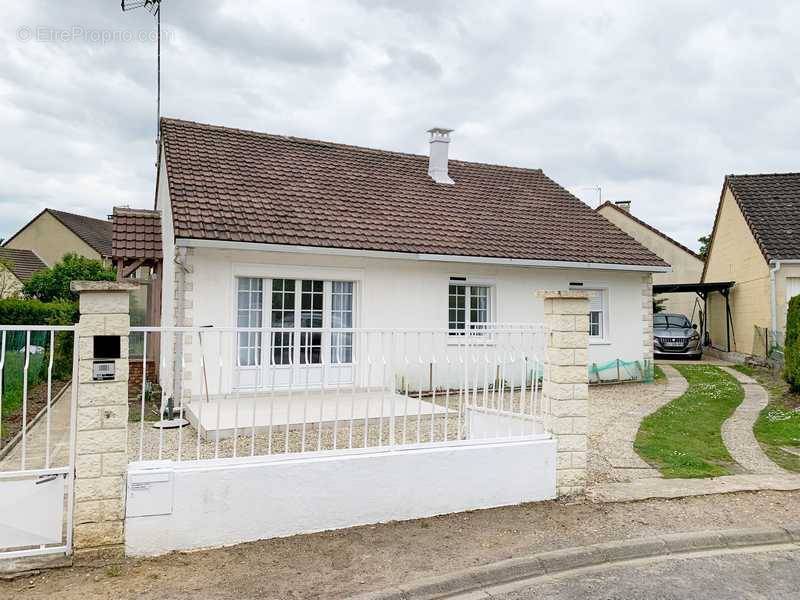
[{"x": 703, "y": 290}]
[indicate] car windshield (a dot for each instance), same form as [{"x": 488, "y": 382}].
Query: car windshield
[{"x": 676, "y": 321}]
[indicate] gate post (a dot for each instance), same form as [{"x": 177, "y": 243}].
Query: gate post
[
  {"x": 101, "y": 453},
  {"x": 565, "y": 385}
]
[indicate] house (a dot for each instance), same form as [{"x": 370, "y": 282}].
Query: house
[
  {"x": 16, "y": 267},
  {"x": 755, "y": 244},
  {"x": 687, "y": 266},
  {"x": 53, "y": 233},
  {"x": 272, "y": 231}
]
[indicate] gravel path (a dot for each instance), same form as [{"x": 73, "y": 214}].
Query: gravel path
[
  {"x": 615, "y": 412},
  {"x": 737, "y": 431}
]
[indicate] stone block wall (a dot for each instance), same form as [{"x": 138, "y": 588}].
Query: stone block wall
[
  {"x": 102, "y": 419},
  {"x": 565, "y": 386}
]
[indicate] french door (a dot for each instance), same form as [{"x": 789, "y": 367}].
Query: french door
[{"x": 306, "y": 336}]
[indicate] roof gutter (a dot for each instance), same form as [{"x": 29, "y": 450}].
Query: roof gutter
[{"x": 516, "y": 262}]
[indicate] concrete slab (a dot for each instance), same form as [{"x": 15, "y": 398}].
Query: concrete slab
[{"x": 243, "y": 412}]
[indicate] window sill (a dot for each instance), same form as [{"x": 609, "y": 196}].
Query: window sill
[{"x": 599, "y": 342}]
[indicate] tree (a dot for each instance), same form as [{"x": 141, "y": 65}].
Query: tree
[
  {"x": 705, "y": 245},
  {"x": 52, "y": 283},
  {"x": 658, "y": 305}
]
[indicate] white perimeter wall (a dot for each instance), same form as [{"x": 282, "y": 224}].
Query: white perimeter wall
[
  {"x": 396, "y": 293},
  {"x": 214, "y": 503}
]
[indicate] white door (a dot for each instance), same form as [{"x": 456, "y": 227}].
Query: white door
[{"x": 309, "y": 337}]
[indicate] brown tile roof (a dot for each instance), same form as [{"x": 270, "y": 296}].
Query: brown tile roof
[
  {"x": 770, "y": 204},
  {"x": 95, "y": 232},
  {"x": 236, "y": 185},
  {"x": 22, "y": 263},
  {"x": 650, "y": 227},
  {"x": 136, "y": 233}
]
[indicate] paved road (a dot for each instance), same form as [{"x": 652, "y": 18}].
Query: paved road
[{"x": 762, "y": 575}]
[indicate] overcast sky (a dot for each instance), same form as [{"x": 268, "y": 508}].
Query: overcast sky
[{"x": 654, "y": 102}]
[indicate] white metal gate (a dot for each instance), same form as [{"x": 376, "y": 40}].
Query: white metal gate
[{"x": 37, "y": 439}]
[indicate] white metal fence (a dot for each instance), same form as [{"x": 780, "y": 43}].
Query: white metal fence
[
  {"x": 37, "y": 433},
  {"x": 250, "y": 392}
]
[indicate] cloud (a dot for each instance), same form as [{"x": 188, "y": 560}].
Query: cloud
[{"x": 653, "y": 102}]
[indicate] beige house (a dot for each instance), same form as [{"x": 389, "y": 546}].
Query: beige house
[
  {"x": 16, "y": 267},
  {"x": 756, "y": 244},
  {"x": 53, "y": 233},
  {"x": 687, "y": 266}
]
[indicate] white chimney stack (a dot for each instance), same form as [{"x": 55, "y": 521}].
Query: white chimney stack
[
  {"x": 624, "y": 205},
  {"x": 437, "y": 165}
]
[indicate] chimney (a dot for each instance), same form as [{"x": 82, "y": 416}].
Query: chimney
[
  {"x": 624, "y": 205},
  {"x": 437, "y": 165}
]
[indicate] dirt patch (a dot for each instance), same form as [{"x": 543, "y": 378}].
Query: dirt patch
[
  {"x": 342, "y": 563},
  {"x": 37, "y": 401}
]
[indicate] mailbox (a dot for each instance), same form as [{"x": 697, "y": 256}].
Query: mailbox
[{"x": 106, "y": 351}]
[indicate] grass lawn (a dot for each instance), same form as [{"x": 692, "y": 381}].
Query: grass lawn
[
  {"x": 683, "y": 439},
  {"x": 658, "y": 374},
  {"x": 778, "y": 425}
]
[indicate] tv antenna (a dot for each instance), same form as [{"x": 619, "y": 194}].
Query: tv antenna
[{"x": 154, "y": 8}]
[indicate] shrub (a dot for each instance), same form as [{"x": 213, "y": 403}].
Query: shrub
[
  {"x": 791, "y": 370},
  {"x": 18, "y": 311},
  {"x": 52, "y": 283}
]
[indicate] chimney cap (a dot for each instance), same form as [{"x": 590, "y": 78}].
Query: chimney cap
[
  {"x": 440, "y": 130},
  {"x": 624, "y": 205}
]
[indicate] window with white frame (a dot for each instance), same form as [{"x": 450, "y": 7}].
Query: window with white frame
[
  {"x": 469, "y": 307},
  {"x": 597, "y": 313},
  {"x": 297, "y": 308},
  {"x": 250, "y": 294}
]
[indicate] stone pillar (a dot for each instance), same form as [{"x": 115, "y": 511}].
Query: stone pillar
[
  {"x": 565, "y": 387},
  {"x": 647, "y": 318},
  {"x": 101, "y": 457}
]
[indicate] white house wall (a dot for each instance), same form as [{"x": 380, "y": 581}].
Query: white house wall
[{"x": 396, "y": 293}]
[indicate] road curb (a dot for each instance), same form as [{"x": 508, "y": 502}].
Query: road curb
[{"x": 568, "y": 559}]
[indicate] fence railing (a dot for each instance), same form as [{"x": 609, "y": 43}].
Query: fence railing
[
  {"x": 36, "y": 364},
  {"x": 231, "y": 392}
]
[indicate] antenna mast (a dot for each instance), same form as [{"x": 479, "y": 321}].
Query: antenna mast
[{"x": 154, "y": 8}]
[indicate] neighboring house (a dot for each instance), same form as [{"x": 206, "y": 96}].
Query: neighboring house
[
  {"x": 262, "y": 230},
  {"x": 53, "y": 233},
  {"x": 16, "y": 267},
  {"x": 687, "y": 266},
  {"x": 756, "y": 244}
]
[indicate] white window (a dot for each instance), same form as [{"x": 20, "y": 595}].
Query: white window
[
  {"x": 597, "y": 313},
  {"x": 250, "y": 294},
  {"x": 297, "y": 308},
  {"x": 469, "y": 307}
]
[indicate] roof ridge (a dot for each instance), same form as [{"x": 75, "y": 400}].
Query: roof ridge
[
  {"x": 72, "y": 214},
  {"x": 328, "y": 143},
  {"x": 794, "y": 173}
]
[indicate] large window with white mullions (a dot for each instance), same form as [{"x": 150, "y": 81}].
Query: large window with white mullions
[
  {"x": 309, "y": 319},
  {"x": 469, "y": 308}
]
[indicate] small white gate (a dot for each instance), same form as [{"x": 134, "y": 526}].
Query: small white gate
[{"x": 37, "y": 439}]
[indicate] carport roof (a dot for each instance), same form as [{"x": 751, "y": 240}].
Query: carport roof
[{"x": 697, "y": 288}]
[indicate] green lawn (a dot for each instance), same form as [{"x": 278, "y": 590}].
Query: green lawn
[
  {"x": 658, "y": 374},
  {"x": 778, "y": 425},
  {"x": 683, "y": 438}
]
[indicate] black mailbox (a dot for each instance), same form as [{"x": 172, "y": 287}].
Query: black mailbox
[{"x": 107, "y": 348}]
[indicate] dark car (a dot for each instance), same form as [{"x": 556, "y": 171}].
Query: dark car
[{"x": 675, "y": 335}]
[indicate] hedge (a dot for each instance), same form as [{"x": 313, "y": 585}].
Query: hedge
[
  {"x": 791, "y": 367},
  {"x": 15, "y": 311}
]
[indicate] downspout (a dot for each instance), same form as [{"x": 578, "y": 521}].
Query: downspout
[{"x": 776, "y": 266}]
